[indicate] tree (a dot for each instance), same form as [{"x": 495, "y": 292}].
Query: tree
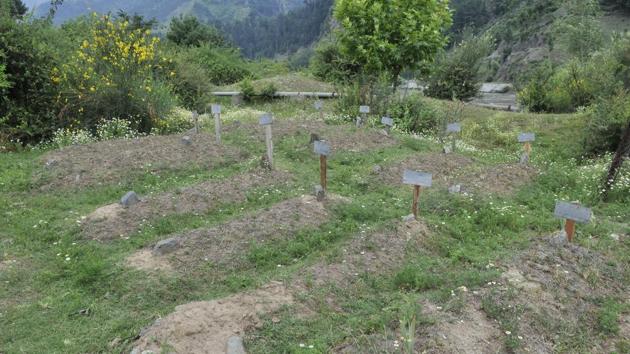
[
  {"x": 580, "y": 31},
  {"x": 188, "y": 31},
  {"x": 392, "y": 36},
  {"x": 13, "y": 8}
]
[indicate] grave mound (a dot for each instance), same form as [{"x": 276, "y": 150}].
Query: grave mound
[
  {"x": 113, "y": 221},
  {"x": 115, "y": 161}
]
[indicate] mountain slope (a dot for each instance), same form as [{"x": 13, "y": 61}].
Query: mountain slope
[{"x": 163, "y": 10}]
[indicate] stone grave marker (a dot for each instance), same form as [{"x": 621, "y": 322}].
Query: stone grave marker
[
  {"x": 266, "y": 120},
  {"x": 526, "y": 139},
  {"x": 323, "y": 149},
  {"x": 364, "y": 110},
  {"x": 216, "y": 112},
  {"x": 195, "y": 119},
  {"x": 572, "y": 213}
]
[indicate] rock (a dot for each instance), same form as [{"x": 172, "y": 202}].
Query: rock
[
  {"x": 455, "y": 189},
  {"x": 492, "y": 87},
  {"x": 462, "y": 289},
  {"x": 235, "y": 345},
  {"x": 320, "y": 193},
  {"x": 264, "y": 162},
  {"x": 524, "y": 159},
  {"x": 384, "y": 132},
  {"x": 447, "y": 149},
  {"x": 130, "y": 199},
  {"x": 186, "y": 140},
  {"x": 51, "y": 163},
  {"x": 359, "y": 122},
  {"x": 377, "y": 169},
  {"x": 166, "y": 246},
  {"x": 77, "y": 178},
  {"x": 559, "y": 239},
  {"x": 409, "y": 218}
]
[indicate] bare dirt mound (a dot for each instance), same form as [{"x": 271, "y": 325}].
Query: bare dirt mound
[
  {"x": 469, "y": 332},
  {"x": 113, "y": 221},
  {"x": 450, "y": 169},
  {"x": 375, "y": 252},
  {"x": 558, "y": 287},
  {"x": 114, "y": 160},
  {"x": 226, "y": 245},
  {"x": 343, "y": 137},
  {"x": 206, "y": 326},
  {"x": 444, "y": 167}
]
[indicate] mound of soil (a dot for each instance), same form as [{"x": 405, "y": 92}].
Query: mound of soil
[
  {"x": 113, "y": 221},
  {"x": 376, "y": 252},
  {"x": 206, "y": 326},
  {"x": 450, "y": 169},
  {"x": 558, "y": 288},
  {"x": 226, "y": 245},
  {"x": 116, "y": 160},
  {"x": 446, "y": 168},
  {"x": 344, "y": 137}
]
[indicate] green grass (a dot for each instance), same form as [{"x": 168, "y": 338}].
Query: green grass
[{"x": 43, "y": 291}]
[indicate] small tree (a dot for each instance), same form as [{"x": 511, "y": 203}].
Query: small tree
[
  {"x": 188, "y": 31},
  {"x": 391, "y": 36}
]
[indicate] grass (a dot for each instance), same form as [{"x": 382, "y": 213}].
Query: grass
[{"x": 95, "y": 304}]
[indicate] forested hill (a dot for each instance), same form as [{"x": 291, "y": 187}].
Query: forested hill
[{"x": 163, "y": 10}]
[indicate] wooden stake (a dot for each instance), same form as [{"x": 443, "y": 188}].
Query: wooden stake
[
  {"x": 217, "y": 127},
  {"x": 322, "y": 171},
  {"x": 569, "y": 228},
  {"x": 269, "y": 143},
  {"x": 527, "y": 147},
  {"x": 196, "y": 118},
  {"x": 414, "y": 206}
]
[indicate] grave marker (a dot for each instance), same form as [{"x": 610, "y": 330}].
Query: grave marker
[
  {"x": 364, "y": 110},
  {"x": 526, "y": 139},
  {"x": 417, "y": 180},
  {"x": 216, "y": 112},
  {"x": 388, "y": 123},
  {"x": 323, "y": 149},
  {"x": 572, "y": 213},
  {"x": 266, "y": 120},
  {"x": 319, "y": 106},
  {"x": 452, "y": 129}
]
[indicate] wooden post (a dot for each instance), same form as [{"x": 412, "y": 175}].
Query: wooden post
[
  {"x": 269, "y": 142},
  {"x": 569, "y": 228},
  {"x": 195, "y": 117},
  {"x": 217, "y": 127},
  {"x": 322, "y": 171},
  {"x": 414, "y": 206}
]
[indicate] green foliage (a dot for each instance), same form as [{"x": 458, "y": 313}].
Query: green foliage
[
  {"x": 455, "y": 75},
  {"x": 329, "y": 64},
  {"x": 580, "y": 30},
  {"x": 27, "y": 95},
  {"x": 67, "y": 137},
  {"x": 417, "y": 115},
  {"x": 13, "y": 8},
  {"x": 268, "y": 91},
  {"x": 247, "y": 90},
  {"x": 608, "y": 316},
  {"x": 188, "y": 31},
  {"x": 391, "y": 36},
  {"x": 115, "y": 129},
  {"x": 606, "y": 122},
  {"x": 410, "y": 278}
]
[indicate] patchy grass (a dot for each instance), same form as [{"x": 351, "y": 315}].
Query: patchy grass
[{"x": 52, "y": 277}]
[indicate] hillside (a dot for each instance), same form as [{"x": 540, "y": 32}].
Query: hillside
[{"x": 163, "y": 10}]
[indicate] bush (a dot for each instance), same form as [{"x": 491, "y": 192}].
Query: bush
[
  {"x": 456, "y": 75},
  {"x": 268, "y": 92},
  {"x": 67, "y": 137},
  {"x": 177, "y": 121},
  {"x": 606, "y": 122},
  {"x": 188, "y": 31},
  {"x": 27, "y": 93},
  {"x": 247, "y": 90},
  {"x": 115, "y": 129},
  {"x": 417, "y": 115},
  {"x": 329, "y": 64},
  {"x": 115, "y": 73}
]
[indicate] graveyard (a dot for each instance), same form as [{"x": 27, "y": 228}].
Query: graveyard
[{"x": 279, "y": 227}]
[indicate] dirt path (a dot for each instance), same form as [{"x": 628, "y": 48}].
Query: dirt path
[
  {"x": 113, "y": 221},
  {"x": 115, "y": 161}
]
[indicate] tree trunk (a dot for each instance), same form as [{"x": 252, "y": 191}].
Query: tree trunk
[{"x": 617, "y": 162}]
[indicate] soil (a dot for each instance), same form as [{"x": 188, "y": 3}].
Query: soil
[
  {"x": 225, "y": 246},
  {"x": 114, "y": 161},
  {"x": 206, "y": 326},
  {"x": 363, "y": 139},
  {"x": 450, "y": 169},
  {"x": 376, "y": 252},
  {"x": 113, "y": 221}
]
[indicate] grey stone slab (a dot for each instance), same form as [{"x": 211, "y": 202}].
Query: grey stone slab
[
  {"x": 454, "y": 128},
  {"x": 266, "y": 119},
  {"x": 129, "y": 199},
  {"x": 573, "y": 212},
  {"x": 322, "y": 148},
  {"x": 387, "y": 121},
  {"x": 166, "y": 246},
  {"x": 235, "y": 345},
  {"x": 526, "y": 137},
  {"x": 186, "y": 140},
  {"x": 364, "y": 109},
  {"x": 216, "y": 109},
  {"x": 319, "y": 105},
  {"x": 417, "y": 178}
]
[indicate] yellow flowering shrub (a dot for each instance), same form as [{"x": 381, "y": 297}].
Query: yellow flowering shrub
[{"x": 114, "y": 73}]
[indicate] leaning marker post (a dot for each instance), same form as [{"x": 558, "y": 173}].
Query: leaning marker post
[
  {"x": 266, "y": 120},
  {"x": 417, "y": 180},
  {"x": 572, "y": 213},
  {"x": 452, "y": 129},
  {"x": 526, "y": 139},
  {"x": 216, "y": 112},
  {"x": 322, "y": 148},
  {"x": 195, "y": 118},
  {"x": 364, "y": 110},
  {"x": 388, "y": 123},
  {"x": 319, "y": 105}
]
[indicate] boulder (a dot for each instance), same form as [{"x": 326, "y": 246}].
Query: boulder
[
  {"x": 166, "y": 246},
  {"x": 130, "y": 199}
]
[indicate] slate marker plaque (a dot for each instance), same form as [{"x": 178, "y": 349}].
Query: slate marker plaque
[
  {"x": 416, "y": 178},
  {"x": 454, "y": 128},
  {"x": 526, "y": 137},
  {"x": 322, "y": 148},
  {"x": 216, "y": 109},
  {"x": 387, "y": 121},
  {"x": 573, "y": 212},
  {"x": 266, "y": 119},
  {"x": 364, "y": 109}
]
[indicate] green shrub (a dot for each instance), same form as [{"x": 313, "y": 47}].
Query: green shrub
[
  {"x": 115, "y": 129},
  {"x": 177, "y": 121},
  {"x": 413, "y": 278},
  {"x": 606, "y": 122},
  {"x": 417, "y": 115},
  {"x": 456, "y": 74},
  {"x": 67, "y": 137},
  {"x": 329, "y": 64},
  {"x": 247, "y": 90},
  {"x": 268, "y": 92},
  {"x": 188, "y": 31}
]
